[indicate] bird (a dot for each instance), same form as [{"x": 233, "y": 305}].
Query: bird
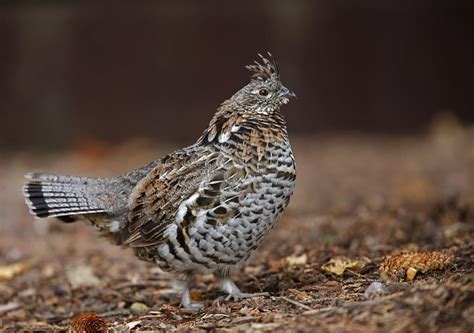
[{"x": 201, "y": 209}]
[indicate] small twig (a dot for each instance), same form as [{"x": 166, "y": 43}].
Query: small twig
[
  {"x": 296, "y": 303},
  {"x": 352, "y": 304},
  {"x": 152, "y": 316},
  {"x": 316, "y": 311},
  {"x": 354, "y": 273}
]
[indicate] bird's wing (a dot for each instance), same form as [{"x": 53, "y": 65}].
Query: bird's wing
[{"x": 186, "y": 186}]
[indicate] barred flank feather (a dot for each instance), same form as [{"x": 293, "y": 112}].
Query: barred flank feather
[{"x": 54, "y": 196}]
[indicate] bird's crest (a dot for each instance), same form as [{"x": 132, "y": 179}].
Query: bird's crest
[{"x": 266, "y": 70}]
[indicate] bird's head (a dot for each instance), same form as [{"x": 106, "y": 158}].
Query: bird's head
[{"x": 265, "y": 93}]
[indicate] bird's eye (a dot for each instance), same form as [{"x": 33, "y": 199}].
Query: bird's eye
[{"x": 263, "y": 92}]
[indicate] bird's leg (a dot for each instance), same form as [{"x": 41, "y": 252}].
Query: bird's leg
[
  {"x": 233, "y": 292},
  {"x": 186, "y": 301}
]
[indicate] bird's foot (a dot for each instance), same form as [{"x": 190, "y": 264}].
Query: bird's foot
[
  {"x": 187, "y": 303},
  {"x": 195, "y": 306},
  {"x": 234, "y": 293}
]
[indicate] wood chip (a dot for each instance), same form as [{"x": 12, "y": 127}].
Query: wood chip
[{"x": 411, "y": 272}]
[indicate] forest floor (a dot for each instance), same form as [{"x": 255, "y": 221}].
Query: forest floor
[{"x": 359, "y": 197}]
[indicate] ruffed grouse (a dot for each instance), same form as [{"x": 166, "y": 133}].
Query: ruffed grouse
[{"x": 202, "y": 209}]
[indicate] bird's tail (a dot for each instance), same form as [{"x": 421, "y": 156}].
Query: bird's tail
[{"x": 49, "y": 195}]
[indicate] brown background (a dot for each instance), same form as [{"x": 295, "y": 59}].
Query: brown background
[{"x": 110, "y": 72}]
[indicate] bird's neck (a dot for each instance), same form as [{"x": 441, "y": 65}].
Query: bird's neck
[{"x": 233, "y": 121}]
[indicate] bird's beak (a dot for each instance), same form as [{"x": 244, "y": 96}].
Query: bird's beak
[{"x": 286, "y": 93}]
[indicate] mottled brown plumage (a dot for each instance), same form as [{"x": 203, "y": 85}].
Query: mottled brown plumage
[{"x": 201, "y": 209}]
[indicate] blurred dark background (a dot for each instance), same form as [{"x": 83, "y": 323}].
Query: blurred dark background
[{"x": 75, "y": 72}]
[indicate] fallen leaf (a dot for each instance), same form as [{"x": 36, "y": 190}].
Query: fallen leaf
[
  {"x": 297, "y": 260},
  {"x": 300, "y": 295},
  {"x": 339, "y": 265},
  {"x": 9, "y": 271},
  {"x": 80, "y": 275},
  {"x": 277, "y": 265}
]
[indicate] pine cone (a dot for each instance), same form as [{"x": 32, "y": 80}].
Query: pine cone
[
  {"x": 396, "y": 265},
  {"x": 87, "y": 323}
]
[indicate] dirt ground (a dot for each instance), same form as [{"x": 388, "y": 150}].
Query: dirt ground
[{"x": 358, "y": 196}]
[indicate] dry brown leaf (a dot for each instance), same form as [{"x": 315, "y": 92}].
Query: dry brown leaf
[
  {"x": 300, "y": 295},
  {"x": 8, "y": 272},
  {"x": 277, "y": 265},
  {"x": 338, "y": 265}
]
